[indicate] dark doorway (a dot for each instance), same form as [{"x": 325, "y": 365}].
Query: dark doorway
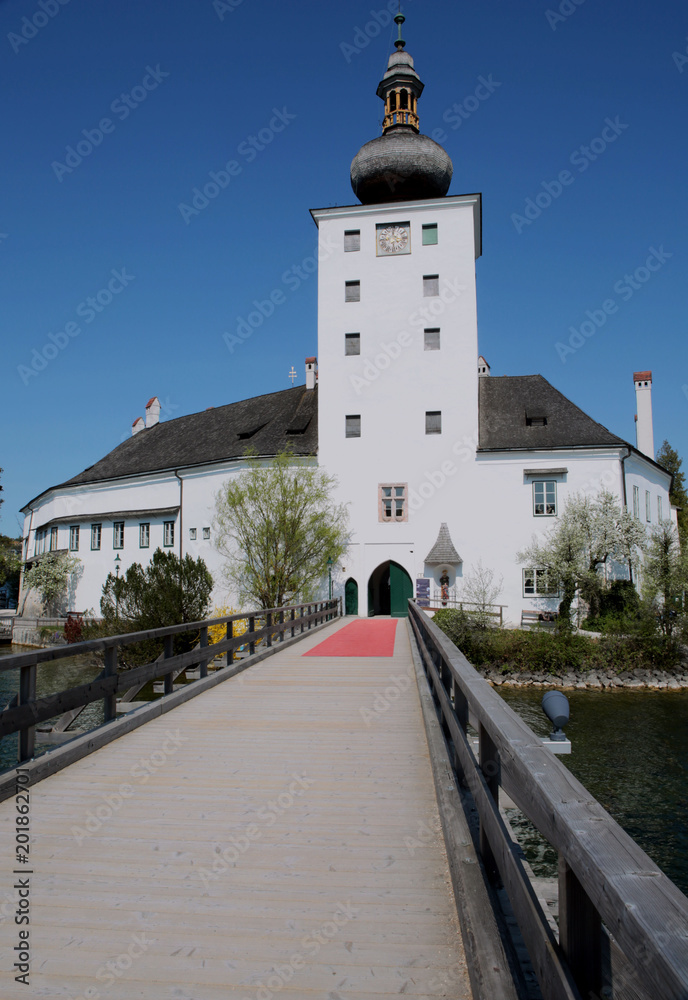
[
  {"x": 389, "y": 589},
  {"x": 351, "y": 597}
]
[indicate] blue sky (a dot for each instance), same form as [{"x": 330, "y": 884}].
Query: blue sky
[{"x": 577, "y": 141}]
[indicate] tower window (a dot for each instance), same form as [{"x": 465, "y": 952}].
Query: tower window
[
  {"x": 403, "y": 100},
  {"x": 393, "y": 101},
  {"x": 392, "y": 502},
  {"x": 433, "y": 421},
  {"x": 352, "y": 343},
  {"x": 431, "y": 284},
  {"x": 352, "y": 240},
  {"x": 352, "y": 291},
  {"x": 431, "y": 339},
  {"x": 430, "y": 234},
  {"x": 353, "y": 425}
]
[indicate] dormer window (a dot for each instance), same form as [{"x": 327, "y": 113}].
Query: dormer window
[{"x": 536, "y": 421}]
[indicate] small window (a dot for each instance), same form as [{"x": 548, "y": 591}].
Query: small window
[
  {"x": 392, "y": 502},
  {"x": 352, "y": 240},
  {"x": 433, "y": 421},
  {"x": 118, "y": 535},
  {"x": 431, "y": 340},
  {"x": 636, "y": 502},
  {"x": 168, "y": 533},
  {"x": 648, "y": 506},
  {"x": 431, "y": 284},
  {"x": 144, "y": 536},
  {"x": 430, "y": 234},
  {"x": 545, "y": 498},
  {"x": 352, "y": 291},
  {"x": 539, "y": 583},
  {"x": 53, "y": 538},
  {"x": 74, "y": 538},
  {"x": 206, "y": 534},
  {"x": 536, "y": 421},
  {"x": 660, "y": 517},
  {"x": 352, "y": 343},
  {"x": 353, "y": 426},
  {"x": 192, "y": 534},
  {"x": 96, "y": 532}
]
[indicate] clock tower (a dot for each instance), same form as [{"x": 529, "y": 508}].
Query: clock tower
[{"x": 397, "y": 350}]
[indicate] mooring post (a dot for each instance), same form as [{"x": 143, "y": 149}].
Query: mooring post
[
  {"x": 27, "y": 694},
  {"x": 110, "y": 670}
]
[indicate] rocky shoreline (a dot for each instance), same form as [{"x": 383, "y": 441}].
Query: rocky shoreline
[{"x": 653, "y": 680}]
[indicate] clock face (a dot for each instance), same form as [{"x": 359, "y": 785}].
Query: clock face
[{"x": 393, "y": 239}]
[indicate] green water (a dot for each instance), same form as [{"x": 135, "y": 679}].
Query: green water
[{"x": 630, "y": 750}]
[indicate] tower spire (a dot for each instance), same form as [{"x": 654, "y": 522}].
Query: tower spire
[
  {"x": 399, "y": 19},
  {"x": 400, "y": 87}
]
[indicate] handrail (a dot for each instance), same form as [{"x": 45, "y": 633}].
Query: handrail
[
  {"x": 30, "y": 710},
  {"x": 604, "y": 876}
]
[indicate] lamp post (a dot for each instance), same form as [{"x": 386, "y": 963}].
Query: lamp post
[
  {"x": 118, "y": 562},
  {"x": 329, "y": 571}
]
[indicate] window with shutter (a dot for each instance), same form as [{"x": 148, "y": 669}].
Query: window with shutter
[
  {"x": 433, "y": 421},
  {"x": 353, "y": 425},
  {"x": 431, "y": 284},
  {"x": 432, "y": 339},
  {"x": 430, "y": 234},
  {"x": 352, "y": 240},
  {"x": 352, "y": 343},
  {"x": 352, "y": 291}
]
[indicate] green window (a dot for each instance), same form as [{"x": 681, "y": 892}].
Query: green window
[{"x": 430, "y": 234}]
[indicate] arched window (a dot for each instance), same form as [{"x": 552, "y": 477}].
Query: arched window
[{"x": 403, "y": 99}]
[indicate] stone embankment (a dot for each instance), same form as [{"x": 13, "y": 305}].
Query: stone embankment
[{"x": 663, "y": 680}]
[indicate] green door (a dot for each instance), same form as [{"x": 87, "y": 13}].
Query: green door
[
  {"x": 351, "y": 597},
  {"x": 401, "y": 589}
]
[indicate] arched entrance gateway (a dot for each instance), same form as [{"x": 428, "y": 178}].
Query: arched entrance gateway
[{"x": 389, "y": 589}]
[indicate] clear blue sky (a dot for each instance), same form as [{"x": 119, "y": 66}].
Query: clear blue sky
[{"x": 218, "y": 72}]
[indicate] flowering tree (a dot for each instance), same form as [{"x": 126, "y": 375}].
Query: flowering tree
[{"x": 50, "y": 576}]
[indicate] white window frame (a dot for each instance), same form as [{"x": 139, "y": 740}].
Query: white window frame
[
  {"x": 168, "y": 534},
  {"x": 118, "y": 534},
  {"x": 192, "y": 534},
  {"x": 548, "y": 486},
  {"x": 648, "y": 506},
  {"x": 53, "y": 538},
  {"x": 206, "y": 534},
  {"x": 660, "y": 516},
  {"x": 74, "y": 538},
  {"x": 540, "y": 584},
  {"x": 144, "y": 535},
  {"x": 96, "y": 537},
  {"x": 636, "y": 502}
]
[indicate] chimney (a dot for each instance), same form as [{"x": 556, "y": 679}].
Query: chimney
[
  {"x": 644, "y": 437},
  {"x": 152, "y": 411},
  {"x": 311, "y": 372},
  {"x": 137, "y": 426},
  {"x": 483, "y": 367}
]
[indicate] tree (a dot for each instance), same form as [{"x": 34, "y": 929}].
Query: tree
[
  {"x": 665, "y": 574},
  {"x": 591, "y": 534},
  {"x": 169, "y": 591},
  {"x": 481, "y": 589},
  {"x": 10, "y": 561},
  {"x": 668, "y": 458},
  {"x": 50, "y": 576},
  {"x": 277, "y": 526}
]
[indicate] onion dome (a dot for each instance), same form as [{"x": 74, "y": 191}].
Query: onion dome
[{"x": 401, "y": 164}]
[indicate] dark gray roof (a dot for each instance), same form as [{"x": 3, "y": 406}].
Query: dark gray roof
[
  {"x": 265, "y": 425},
  {"x": 443, "y": 550},
  {"x": 512, "y": 408}
]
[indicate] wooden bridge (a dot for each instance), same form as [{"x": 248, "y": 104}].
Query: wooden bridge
[{"x": 292, "y": 824}]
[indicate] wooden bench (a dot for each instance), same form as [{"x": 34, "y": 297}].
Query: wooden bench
[{"x": 538, "y": 619}]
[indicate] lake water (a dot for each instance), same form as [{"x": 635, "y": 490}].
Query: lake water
[{"x": 630, "y": 750}]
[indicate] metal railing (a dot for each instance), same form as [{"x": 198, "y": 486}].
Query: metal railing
[{"x": 623, "y": 925}]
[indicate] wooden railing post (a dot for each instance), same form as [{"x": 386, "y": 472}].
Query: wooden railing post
[
  {"x": 293, "y": 619},
  {"x": 281, "y": 622},
  {"x": 580, "y": 932},
  {"x": 251, "y": 628},
  {"x": 489, "y": 765},
  {"x": 167, "y": 652},
  {"x": 230, "y": 635},
  {"x": 110, "y": 700},
  {"x": 268, "y": 625},
  {"x": 27, "y": 694},
  {"x": 203, "y": 643}
]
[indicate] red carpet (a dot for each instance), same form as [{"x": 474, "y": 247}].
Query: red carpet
[{"x": 364, "y": 637}]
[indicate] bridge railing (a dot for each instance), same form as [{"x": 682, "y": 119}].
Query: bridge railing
[
  {"x": 270, "y": 626},
  {"x": 605, "y": 878}
]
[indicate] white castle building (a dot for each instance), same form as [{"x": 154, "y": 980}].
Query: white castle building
[{"x": 442, "y": 464}]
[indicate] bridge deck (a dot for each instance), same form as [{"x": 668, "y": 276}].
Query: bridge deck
[{"x": 265, "y": 837}]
